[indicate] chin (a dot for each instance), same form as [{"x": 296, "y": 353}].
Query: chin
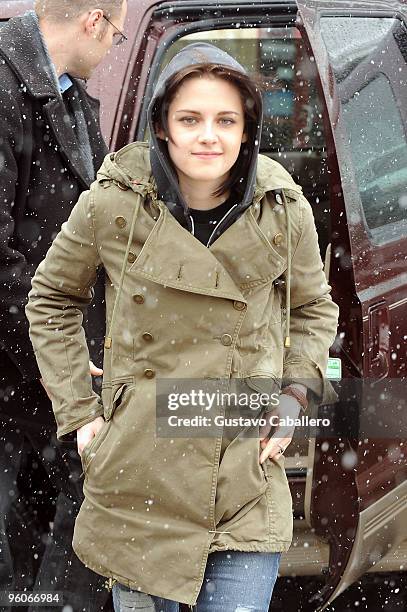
[
  {"x": 203, "y": 178},
  {"x": 207, "y": 175},
  {"x": 82, "y": 73}
]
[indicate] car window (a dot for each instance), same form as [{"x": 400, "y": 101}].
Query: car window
[
  {"x": 277, "y": 58},
  {"x": 379, "y": 151},
  {"x": 369, "y": 67}
]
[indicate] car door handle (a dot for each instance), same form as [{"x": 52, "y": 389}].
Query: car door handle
[{"x": 379, "y": 340}]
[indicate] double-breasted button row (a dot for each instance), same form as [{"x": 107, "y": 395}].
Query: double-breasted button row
[
  {"x": 147, "y": 337},
  {"x": 120, "y": 222},
  {"x": 226, "y": 339}
]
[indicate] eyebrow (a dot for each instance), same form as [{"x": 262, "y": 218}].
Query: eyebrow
[{"x": 184, "y": 110}]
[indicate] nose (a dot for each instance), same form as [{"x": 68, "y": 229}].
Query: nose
[{"x": 208, "y": 133}]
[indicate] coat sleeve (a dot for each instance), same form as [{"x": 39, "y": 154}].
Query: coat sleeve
[
  {"x": 314, "y": 316},
  {"x": 61, "y": 289},
  {"x": 15, "y": 278}
]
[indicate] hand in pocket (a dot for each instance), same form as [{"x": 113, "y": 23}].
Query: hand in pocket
[{"x": 86, "y": 433}]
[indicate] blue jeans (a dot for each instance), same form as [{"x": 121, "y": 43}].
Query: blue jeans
[{"x": 234, "y": 582}]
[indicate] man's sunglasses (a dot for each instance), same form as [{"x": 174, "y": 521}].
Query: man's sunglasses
[{"x": 118, "y": 36}]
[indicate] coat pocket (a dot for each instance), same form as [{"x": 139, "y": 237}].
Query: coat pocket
[
  {"x": 112, "y": 394},
  {"x": 228, "y": 521},
  {"x": 91, "y": 448}
]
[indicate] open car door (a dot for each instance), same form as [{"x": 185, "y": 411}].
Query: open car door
[{"x": 356, "y": 488}]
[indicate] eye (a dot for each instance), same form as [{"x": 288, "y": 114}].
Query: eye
[
  {"x": 227, "y": 121},
  {"x": 188, "y": 120}
]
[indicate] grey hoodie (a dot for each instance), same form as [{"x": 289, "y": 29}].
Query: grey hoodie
[{"x": 163, "y": 170}]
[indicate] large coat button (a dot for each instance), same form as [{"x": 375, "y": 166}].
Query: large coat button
[
  {"x": 147, "y": 337},
  {"x": 278, "y": 239},
  {"x": 226, "y": 339},
  {"x": 131, "y": 258},
  {"x": 279, "y": 199},
  {"x": 139, "y": 299},
  {"x": 239, "y": 305},
  {"x": 121, "y": 222},
  {"x": 148, "y": 373}
]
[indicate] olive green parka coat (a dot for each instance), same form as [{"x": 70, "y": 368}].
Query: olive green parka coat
[{"x": 155, "y": 507}]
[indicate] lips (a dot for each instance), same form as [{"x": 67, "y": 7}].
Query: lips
[{"x": 206, "y": 154}]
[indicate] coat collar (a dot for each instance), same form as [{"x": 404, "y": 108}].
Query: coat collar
[
  {"x": 20, "y": 46},
  {"x": 220, "y": 270},
  {"x": 191, "y": 267},
  {"x": 55, "y": 112}
]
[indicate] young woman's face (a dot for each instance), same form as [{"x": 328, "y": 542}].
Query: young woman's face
[{"x": 206, "y": 124}]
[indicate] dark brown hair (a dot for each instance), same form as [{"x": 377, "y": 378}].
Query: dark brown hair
[{"x": 249, "y": 92}]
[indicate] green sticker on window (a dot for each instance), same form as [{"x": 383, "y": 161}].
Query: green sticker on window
[{"x": 334, "y": 368}]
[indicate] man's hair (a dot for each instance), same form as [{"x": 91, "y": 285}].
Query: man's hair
[{"x": 60, "y": 10}]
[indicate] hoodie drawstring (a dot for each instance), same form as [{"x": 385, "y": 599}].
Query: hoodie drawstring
[
  {"x": 287, "y": 341},
  {"x": 219, "y": 224},
  {"x": 108, "y": 339}
]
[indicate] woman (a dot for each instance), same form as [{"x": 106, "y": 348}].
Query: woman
[{"x": 205, "y": 243}]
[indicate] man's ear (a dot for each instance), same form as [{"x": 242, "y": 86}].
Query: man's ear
[{"x": 92, "y": 21}]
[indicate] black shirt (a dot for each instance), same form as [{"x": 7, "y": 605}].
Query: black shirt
[{"x": 205, "y": 221}]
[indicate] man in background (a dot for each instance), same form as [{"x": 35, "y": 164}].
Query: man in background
[{"x": 50, "y": 150}]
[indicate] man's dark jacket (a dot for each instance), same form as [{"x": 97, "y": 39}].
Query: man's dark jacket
[{"x": 42, "y": 174}]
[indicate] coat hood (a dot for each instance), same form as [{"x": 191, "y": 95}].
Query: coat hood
[
  {"x": 131, "y": 166},
  {"x": 163, "y": 170}
]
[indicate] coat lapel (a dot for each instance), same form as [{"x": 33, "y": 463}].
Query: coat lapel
[
  {"x": 247, "y": 253},
  {"x": 173, "y": 257},
  {"x": 64, "y": 134},
  {"x": 91, "y": 111}
]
